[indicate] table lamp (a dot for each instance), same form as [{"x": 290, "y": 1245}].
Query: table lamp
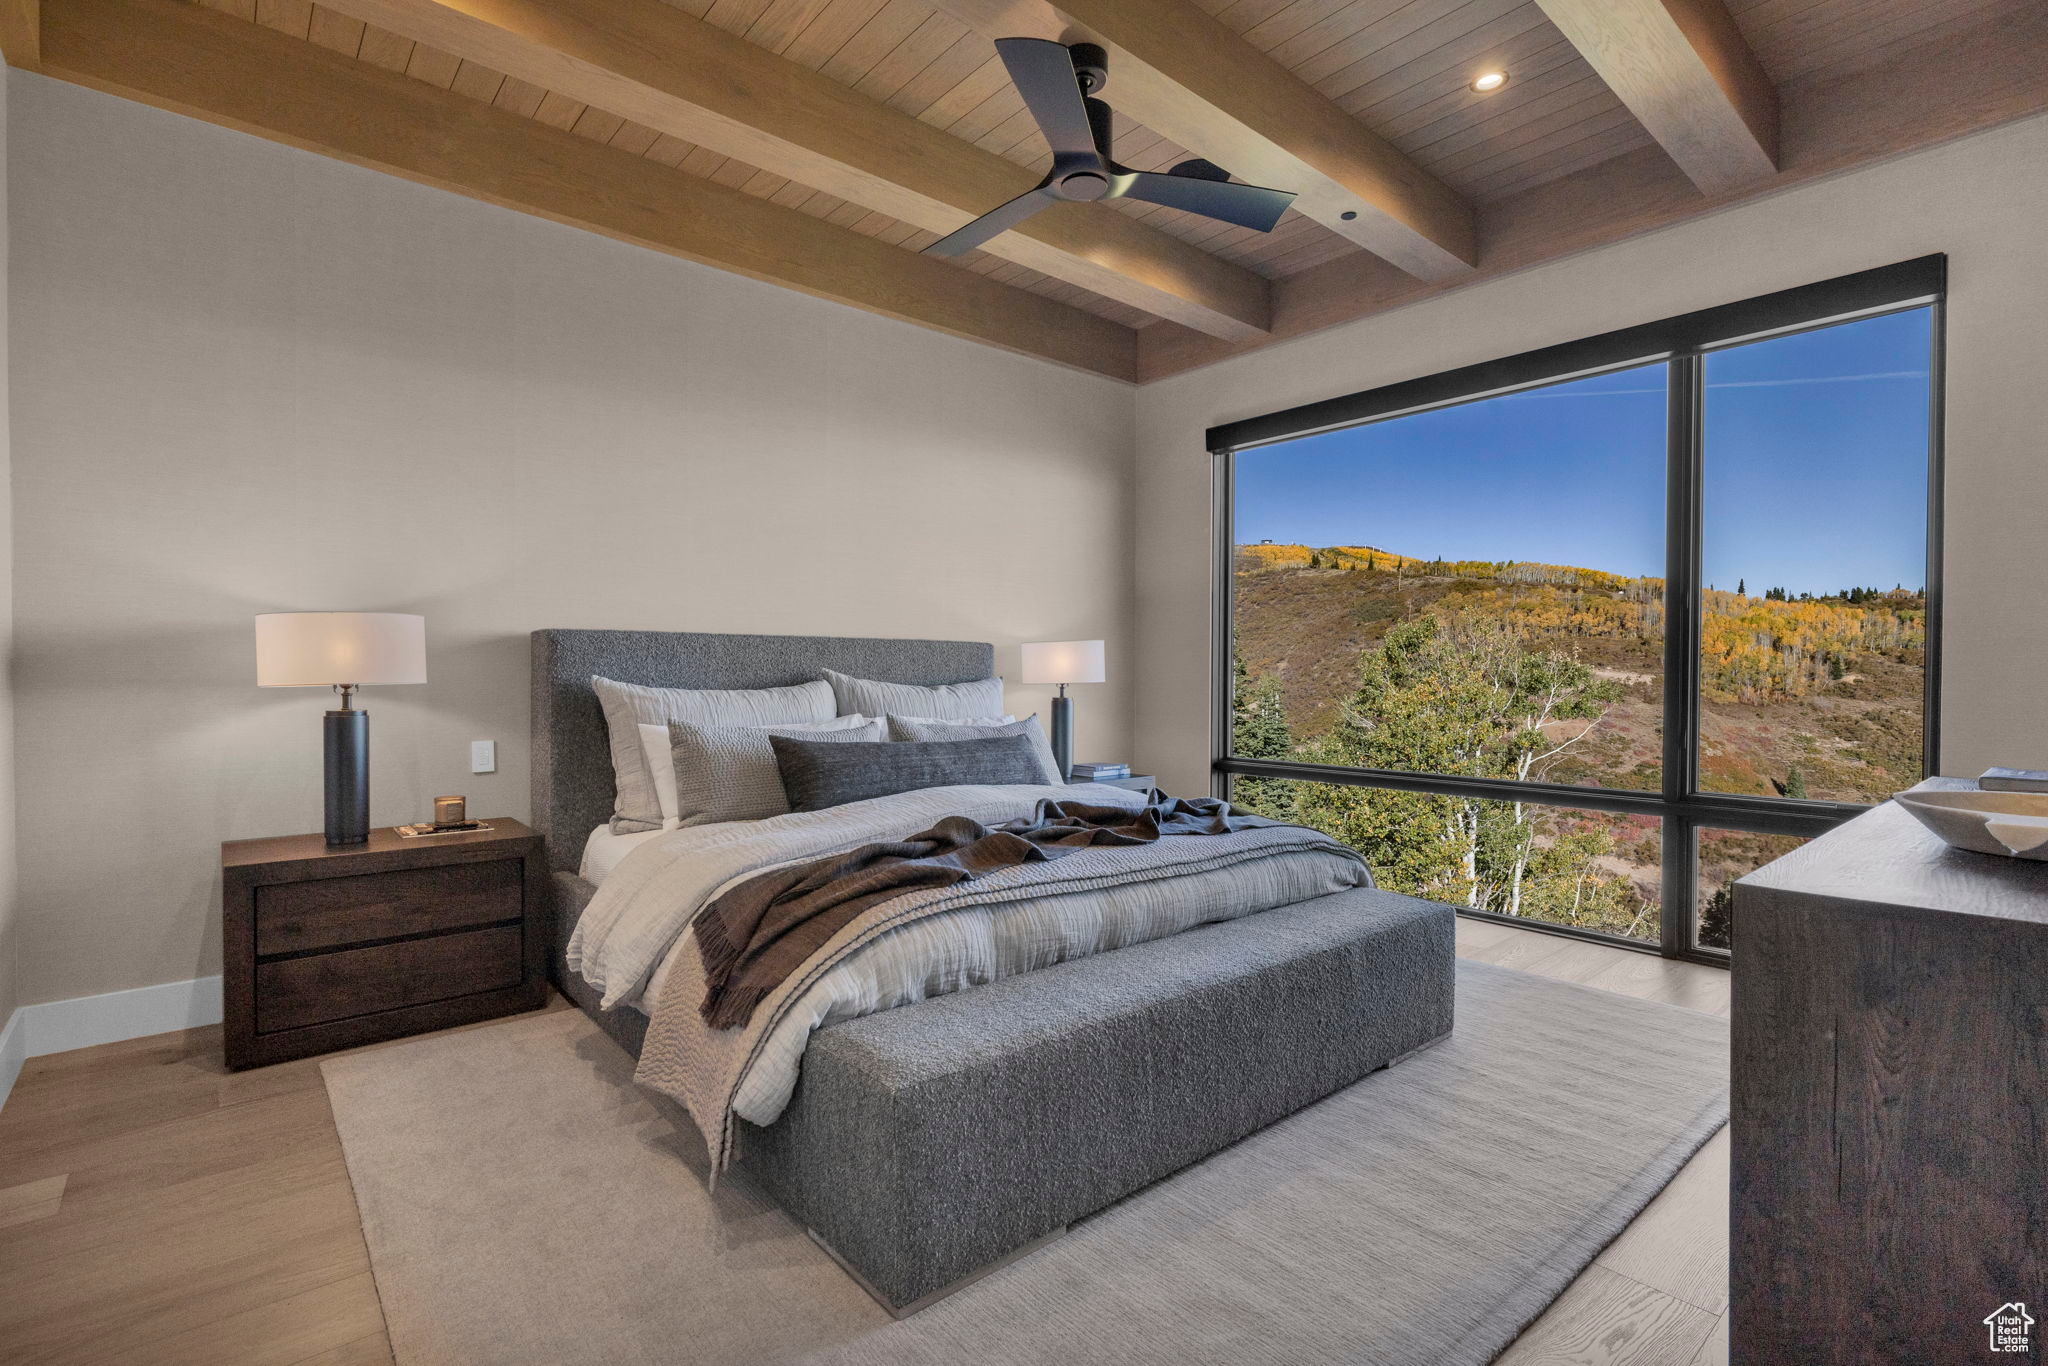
[
  {"x": 1063, "y": 662},
  {"x": 343, "y": 651}
]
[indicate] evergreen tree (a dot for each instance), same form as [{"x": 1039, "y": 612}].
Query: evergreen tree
[
  {"x": 1742, "y": 588},
  {"x": 1259, "y": 730},
  {"x": 1795, "y": 783},
  {"x": 1717, "y": 920}
]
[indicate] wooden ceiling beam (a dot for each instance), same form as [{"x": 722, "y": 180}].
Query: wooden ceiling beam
[
  {"x": 655, "y": 64},
  {"x": 21, "y": 34},
  {"x": 1185, "y": 75},
  {"x": 1684, "y": 71},
  {"x": 1972, "y": 78},
  {"x": 241, "y": 75}
]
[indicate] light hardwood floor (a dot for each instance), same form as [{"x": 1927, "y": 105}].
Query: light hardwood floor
[{"x": 156, "y": 1207}]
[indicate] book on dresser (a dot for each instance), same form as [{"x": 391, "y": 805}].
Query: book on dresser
[
  {"x": 1091, "y": 773},
  {"x": 2014, "y": 780}
]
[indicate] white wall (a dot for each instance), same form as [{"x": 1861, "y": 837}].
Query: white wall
[
  {"x": 249, "y": 378},
  {"x": 1982, "y": 200}
]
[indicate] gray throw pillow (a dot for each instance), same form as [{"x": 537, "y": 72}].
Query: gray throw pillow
[
  {"x": 817, "y": 775},
  {"x": 627, "y": 706},
  {"x": 728, "y": 773},
  {"x": 911, "y": 728},
  {"x": 948, "y": 701}
]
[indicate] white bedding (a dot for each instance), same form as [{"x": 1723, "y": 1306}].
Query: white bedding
[
  {"x": 638, "y": 922},
  {"x": 604, "y": 851}
]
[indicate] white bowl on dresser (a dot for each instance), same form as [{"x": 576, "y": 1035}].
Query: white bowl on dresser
[{"x": 2009, "y": 824}]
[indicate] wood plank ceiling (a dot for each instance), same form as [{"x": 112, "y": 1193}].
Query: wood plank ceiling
[{"x": 1594, "y": 85}]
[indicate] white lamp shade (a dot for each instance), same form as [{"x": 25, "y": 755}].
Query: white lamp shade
[
  {"x": 320, "y": 649},
  {"x": 1063, "y": 661}
]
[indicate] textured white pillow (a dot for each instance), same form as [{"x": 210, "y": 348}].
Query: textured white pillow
[
  {"x": 1003, "y": 720},
  {"x": 656, "y": 747},
  {"x": 729, "y": 773},
  {"x": 627, "y": 706},
  {"x": 954, "y": 701}
]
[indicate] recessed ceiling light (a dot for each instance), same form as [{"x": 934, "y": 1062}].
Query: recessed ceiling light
[{"x": 1486, "y": 82}]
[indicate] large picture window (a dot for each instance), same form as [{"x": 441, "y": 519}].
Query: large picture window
[{"x": 1577, "y": 637}]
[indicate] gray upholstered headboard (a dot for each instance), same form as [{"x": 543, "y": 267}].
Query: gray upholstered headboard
[{"x": 572, "y": 764}]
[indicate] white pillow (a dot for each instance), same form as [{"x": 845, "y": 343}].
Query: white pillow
[
  {"x": 634, "y": 805},
  {"x": 655, "y": 748},
  {"x": 872, "y": 697},
  {"x": 950, "y": 721}
]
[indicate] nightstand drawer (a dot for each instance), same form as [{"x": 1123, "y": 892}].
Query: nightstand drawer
[
  {"x": 330, "y": 912},
  {"x": 332, "y": 986}
]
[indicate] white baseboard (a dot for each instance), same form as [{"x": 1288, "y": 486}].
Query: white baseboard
[
  {"x": 86, "y": 1021},
  {"x": 12, "y": 1054}
]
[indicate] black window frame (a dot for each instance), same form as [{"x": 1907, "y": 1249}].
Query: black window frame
[{"x": 1681, "y": 344}]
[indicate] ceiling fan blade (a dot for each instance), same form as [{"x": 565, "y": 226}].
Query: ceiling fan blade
[
  {"x": 1043, "y": 72},
  {"x": 1248, "y": 206},
  {"x": 995, "y": 221}
]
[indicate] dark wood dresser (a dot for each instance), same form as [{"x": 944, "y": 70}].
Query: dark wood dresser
[
  {"x": 1890, "y": 1181},
  {"x": 329, "y": 948}
]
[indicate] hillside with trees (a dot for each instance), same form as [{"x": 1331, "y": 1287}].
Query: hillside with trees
[{"x": 1362, "y": 657}]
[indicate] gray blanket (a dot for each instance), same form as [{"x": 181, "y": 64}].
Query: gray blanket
[{"x": 758, "y": 933}]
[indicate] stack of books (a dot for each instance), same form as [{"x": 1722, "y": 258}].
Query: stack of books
[
  {"x": 1994, "y": 779},
  {"x": 1100, "y": 773}
]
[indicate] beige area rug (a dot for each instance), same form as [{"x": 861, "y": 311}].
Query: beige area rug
[{"x": 524, "y": 1203}]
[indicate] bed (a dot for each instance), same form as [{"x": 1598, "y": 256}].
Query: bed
[{"x": 923, "y": 1144}]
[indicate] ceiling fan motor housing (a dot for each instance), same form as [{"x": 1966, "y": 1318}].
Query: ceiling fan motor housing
[
  {"x": 1082, "y": 177},
  {"x": 1091, "y": 66},
  {"x": 1082, "y": 186}
]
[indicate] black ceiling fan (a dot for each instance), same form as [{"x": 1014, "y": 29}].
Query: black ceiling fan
[{"x": 1058, "y": 84}]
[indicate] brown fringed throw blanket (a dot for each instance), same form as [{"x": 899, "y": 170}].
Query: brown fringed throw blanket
[{"x": 758, "y": 933}]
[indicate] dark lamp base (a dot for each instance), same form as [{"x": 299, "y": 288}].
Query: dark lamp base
[
  {"x": 347, "y": 735},
  {"x": 1063, "y": 736}
]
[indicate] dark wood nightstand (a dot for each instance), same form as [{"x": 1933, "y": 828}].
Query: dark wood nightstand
[{"x": 328, "y": 948}]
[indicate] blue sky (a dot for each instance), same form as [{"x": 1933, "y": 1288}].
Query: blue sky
[{"x": 1815, "y": 477}]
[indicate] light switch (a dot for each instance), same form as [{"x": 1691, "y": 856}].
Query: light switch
[{"x": 483, "y": 756}]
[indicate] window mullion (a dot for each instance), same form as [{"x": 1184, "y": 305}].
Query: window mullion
[
  {"x": 1681, "y": 637},
  {"x": 1937, "y": 398},
  {"x": 1681, "y": 883},
  {"x": 1223, "y": 615}
]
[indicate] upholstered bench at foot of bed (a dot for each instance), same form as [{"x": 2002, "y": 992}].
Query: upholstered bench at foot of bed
[{"x": 926, "y": 1143}]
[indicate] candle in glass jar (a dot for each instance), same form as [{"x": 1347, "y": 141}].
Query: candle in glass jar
[{"x": 449, "y": 811}]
